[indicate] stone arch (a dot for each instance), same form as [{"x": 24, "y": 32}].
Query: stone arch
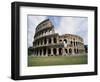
[
  {"x": 66, "y": 51},
  {"x": 60, "y": 51},
  {"x": 60, "y": 40},
  {"x": 37, "y": 52},
  {"x": 75, "y": 51},
  {"x": 41, "y": 42},
  {"x": 49, "y": 51},
  {"x": 44, "y": 51},
  {"x": 49, "y": 40},
  {"x": 45, "y": 41},
  {"x": 71, "y": 42},
  {"x": 55, "y": 40},
  {"x": 65, "y": 40},
  {"x": 76, "y": 43},
  {"x": 42, "y": 33},
  {"x": 54, "y": 51},
  {"x": 40, "y": 52},
  {"x": 70, "y": 51},
  {"x": 38, "y": 42},
  {"x": 50, "y": 31}
]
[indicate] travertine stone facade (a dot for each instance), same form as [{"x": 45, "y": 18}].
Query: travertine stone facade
[{"x": 48, "y": 43}]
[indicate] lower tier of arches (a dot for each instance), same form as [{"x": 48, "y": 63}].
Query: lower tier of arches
[{"x": 57, "y": 51}]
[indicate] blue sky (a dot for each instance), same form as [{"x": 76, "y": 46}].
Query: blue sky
[{"x": 62, "y": 25}]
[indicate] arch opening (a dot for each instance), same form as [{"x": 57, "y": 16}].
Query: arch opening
[
  {"x": 55, "y": 40},
  {"x": 49, "y": 52},
  {"x": 44, "y": 51},
  {"x": 60, "y": 51},
  {"x": 70, "y": 51},
  {"x": 54, "y": 51},
  {"x": 65, "y": 40},
  {"x": 66, "y": 51},
  {"x": 40, "y": 52},
  {"x": 45, "y": 41},
  {"x": 49, "y": 40}
]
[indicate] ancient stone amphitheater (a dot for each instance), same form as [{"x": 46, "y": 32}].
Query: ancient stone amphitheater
[{"x": 48, "y": 43}]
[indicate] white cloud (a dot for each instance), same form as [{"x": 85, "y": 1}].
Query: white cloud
[
  {"x": 33, "y": 21},
  {"x": 74, "y": 25}
]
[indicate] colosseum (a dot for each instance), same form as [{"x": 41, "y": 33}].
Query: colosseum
[{"x": 48, "y": 43}]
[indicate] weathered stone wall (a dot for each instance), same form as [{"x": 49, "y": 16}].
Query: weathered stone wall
[{"x": 48, "y": 43}]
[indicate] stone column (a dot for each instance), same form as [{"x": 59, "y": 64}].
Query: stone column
[
  {"x": 51, "y": 51},
  {"x": 73, "y": 53},
  {"x": 52, "y": 40},
  {"x": 47, "y": 41},
  {"x": 67, "y": 51},
  {"x": 57, "y": 49},
  {"x": 57, "y": 40},
  {"x": 42, "y": 41},
  {"x": 63, "y": 52}
]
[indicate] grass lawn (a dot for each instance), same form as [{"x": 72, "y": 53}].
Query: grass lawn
[{"x": 57, "y": 60}]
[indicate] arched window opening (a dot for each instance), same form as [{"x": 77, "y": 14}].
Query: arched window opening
[
  {"x": 65, "y": 40},
  {"x": 60, "y": 51},
  {"x": 45, "y": 41},
  {"x": 71, "y": 42},
  {"x": 41, "y": 42},
  {"x": 44, "y": 51},
  {"x": 54, "y": 51},
  {"x": 70, "y": 51},
  {"x": 55, "y": 40},
  {"x": 49, "y": 40},
  {"x": 60, "y": 40},
  {"x": 40, "y": 52},
  {"x": 38, "y": 42},
  {"x": 66, "y": 51},
  {"x": 49, "y": 51},
  {"x": 74, "y": 43},
  {"x": 75, "y": 51}
]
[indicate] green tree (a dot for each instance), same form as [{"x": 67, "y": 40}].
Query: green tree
[{"x": 30, "y": 50}]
